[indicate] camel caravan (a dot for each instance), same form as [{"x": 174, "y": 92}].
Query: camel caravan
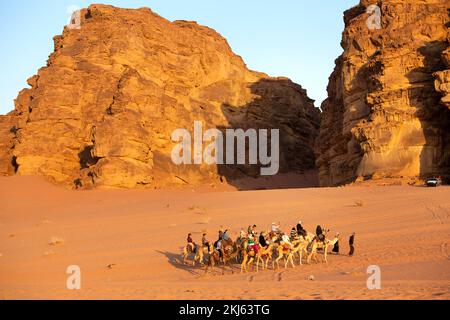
[{"x": 255, "y": 251}]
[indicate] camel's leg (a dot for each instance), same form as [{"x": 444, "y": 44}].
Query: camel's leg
[
  {"x": 208, "y": 264},
  {"x": 184, "y": 255},
  {"x": 325, "y": 254},
  {"x": 244, "y": 264},
  {"x": 278, "y": 259},
  {"x": 291, "y": 258},
  {"x": 202, "y": 259},
  {"x": 308, "y": 260},
  {"x": 223, "y": 266},
  {"x": 300, "y": 254},
  {"x": 252, "y": 259}
]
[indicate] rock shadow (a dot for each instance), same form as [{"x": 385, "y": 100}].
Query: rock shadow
[{"x": 278, "y": 104}]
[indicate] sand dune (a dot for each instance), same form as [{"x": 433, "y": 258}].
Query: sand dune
[{"x": 128, "y": 243}]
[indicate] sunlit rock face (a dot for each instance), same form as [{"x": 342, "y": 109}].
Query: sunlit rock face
[
  {"x": 102, "y": 111},
  {"x": 387, "y": 112}
]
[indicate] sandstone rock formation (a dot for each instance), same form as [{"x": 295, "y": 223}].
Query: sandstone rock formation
[
  {"x": 102, "y": 111},
  {"x": 387, "y": 112}
]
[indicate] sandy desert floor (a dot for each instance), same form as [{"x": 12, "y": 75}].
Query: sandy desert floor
[{"x": 128, "y": 243}]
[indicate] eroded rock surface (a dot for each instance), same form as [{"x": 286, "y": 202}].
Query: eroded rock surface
[
  {"x": 102, "y": 111},
  {"x": 387, "y": 112}
]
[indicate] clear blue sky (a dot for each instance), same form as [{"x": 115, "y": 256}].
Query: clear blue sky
[{"x": 299, "y": 39}]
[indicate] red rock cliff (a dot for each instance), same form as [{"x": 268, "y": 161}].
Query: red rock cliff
[
  {"x": 387, "y": 112},
  {"x": 101, "y": 113}
]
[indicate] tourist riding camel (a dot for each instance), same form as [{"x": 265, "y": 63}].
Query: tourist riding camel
[
  {"x": 300, "y": 230},
  {"x": 319, "y": 233},
  {"x": 275, "y": 228},
  {"x": 252, "y": 245},
  {"x": 251, "y": 230},
  {"x": 285, "y": 241},
  {"x": 205, "y": 241},
  {"x": 321, "y": 245},
  {"x": 262, "y": 240},
  {"x": 294, "y": 234},
  {"x": 218, "y": 244},
  {"x": 190, "y": 243}
]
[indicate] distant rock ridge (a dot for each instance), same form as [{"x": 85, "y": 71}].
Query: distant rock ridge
[
  {"x": 102, "y": 111},
  {"x": 387, "y": 112}
]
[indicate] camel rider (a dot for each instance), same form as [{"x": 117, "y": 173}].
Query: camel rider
[
  {"x": 218, "y": 247},
  {"x": 262, "y": 240},
  {"x": 275, "y": 228},
  {"x": 251, "y": 230},
  {"x": 286, "y": 241},
  {"x": 294, "y": 234},
  {"x": 300, "y": 230},
  {"x": 190, "y": 242},
  {"x": 319, "y": 234},
  {"x": 205, "y": 241},
  {"x": 252, "y": 244},
  {"x": 218, "y": 243},
  {"x": 225, "y": 235},
  {"x": 241, "y": 237},
  {"x": 220, "y": 234}
]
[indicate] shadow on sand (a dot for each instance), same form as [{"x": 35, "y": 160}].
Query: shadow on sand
[{"x": 176, "y": 260}]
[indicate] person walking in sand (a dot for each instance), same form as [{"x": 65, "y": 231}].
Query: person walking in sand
[{"x": 351, "y": 242}]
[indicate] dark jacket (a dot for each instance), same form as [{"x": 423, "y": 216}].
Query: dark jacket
[
  {"x": 351, "y": 241},
  {"x": 262, "y": 241},
  {"x": 319, "y": 230}
]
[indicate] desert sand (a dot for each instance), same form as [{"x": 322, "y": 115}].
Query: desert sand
[{"x": 128, "y": 242}]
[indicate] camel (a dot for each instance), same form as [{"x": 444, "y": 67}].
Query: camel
[
  {"x": 300, "y": 245},
  {"x": 264, "y": 255},
  {"x": 229, "y": 251},
  {"x": 199, "y": 253},
  {"x": 248, "y": 257},
  {"x": 284, "y": 252},
  {"x": 241, "y": 245},
  {"x": 316, "y": 244}
]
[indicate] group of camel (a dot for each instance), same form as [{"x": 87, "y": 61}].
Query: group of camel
[{"x": 245, "y": 255}]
